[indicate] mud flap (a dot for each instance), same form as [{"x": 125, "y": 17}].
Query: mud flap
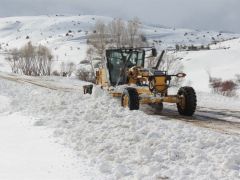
[{"x": 87, "y": 89}]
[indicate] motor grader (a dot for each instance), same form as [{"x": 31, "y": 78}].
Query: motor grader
[{"x": 124, "y": 76}]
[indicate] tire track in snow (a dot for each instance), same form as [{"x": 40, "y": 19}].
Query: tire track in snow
[
  {"x": 208, "y": 120},
  {"x": 41, "y": 83},
  {"x": 204, "y": 117}
]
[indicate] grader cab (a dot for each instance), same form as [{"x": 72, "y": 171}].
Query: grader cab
[{"x": 124, "y": 75}]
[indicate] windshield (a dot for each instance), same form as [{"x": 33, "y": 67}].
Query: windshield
[{"x": 120, "y": 59}]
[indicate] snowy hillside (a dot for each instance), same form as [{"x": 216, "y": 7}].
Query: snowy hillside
[
  {"x": 221, "y": 62},
  {"x": 66, "y": 35}
]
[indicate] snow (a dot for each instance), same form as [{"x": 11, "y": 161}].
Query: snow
[
  {"x": 126, "y": 144},
  {"x": 31, "y": 153},
  {"x": 223, "y": 102},
  {"x": 220, "y": 63},
  {"x": 50, "y": 130}
]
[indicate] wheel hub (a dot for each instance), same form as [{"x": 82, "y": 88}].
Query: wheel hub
[{"x": 182, "y": 102}]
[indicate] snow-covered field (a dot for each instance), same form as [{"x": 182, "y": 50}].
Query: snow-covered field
[
  {"x": 124, "y": 144},
  {"x": 31, "y": 153},
  {"x": 100, "y": 139},
  {"x": 219, "y": 62}
]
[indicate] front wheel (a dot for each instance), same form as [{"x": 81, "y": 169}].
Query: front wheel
[
  {"x": 130, "y": 99},
  {"x": 188, "y": 103}
]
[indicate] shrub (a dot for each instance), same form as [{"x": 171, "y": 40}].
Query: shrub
[
  {"x": 31, "y": 60},
  {"x": 215, "y": 84},
  {"x": 85, "y": 75},
  {"x": 67, "y": 69},
  {"x": 55, "y": 73},
  {"x": 226, "y": 88}
]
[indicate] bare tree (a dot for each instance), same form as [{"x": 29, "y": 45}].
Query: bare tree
[
  {"x": 98, "y": 38},
  {"x": 172, "y": 64},
  {"x": 116, "y": 34},
  {"x": 71, "y": 67},
  {"x": 67, "y": 69},
  {"x": 31, "y": 60},
  {"x": 13, "y": 60},
  {"x": 84, "y": 75},
  {"x": 90, "y": 54},
  {"x": 62, "y": 68},
  {"x": 134, "y": 36},
  {"x": 117, "y": 31}
]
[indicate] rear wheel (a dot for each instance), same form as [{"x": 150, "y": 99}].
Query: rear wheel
[
  {"x": 187, "y": 105},
  {"x": 130, "y": 99}
]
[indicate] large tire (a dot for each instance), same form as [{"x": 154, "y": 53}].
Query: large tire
[
  {"x": 132, "y": 97},
  {"x": 188, "y": 106}
]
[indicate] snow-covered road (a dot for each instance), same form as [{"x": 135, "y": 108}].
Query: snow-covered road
[
  {"x": 124, "y": 144},
  {"x": 221, "y": 120},
  {"x": 29, "y": 152}
]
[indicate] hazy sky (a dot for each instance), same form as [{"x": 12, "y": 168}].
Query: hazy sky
[{"x": 197, "y": 14}]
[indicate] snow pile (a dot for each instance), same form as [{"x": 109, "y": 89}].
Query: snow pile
[
  {"x": 128, "y": 144},
  {"x": 31, "y": 153}
]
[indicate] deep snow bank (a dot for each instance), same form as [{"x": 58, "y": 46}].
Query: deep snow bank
[
  {"x": 126, "y": 144},
  {"x": 29, "y": 153}
]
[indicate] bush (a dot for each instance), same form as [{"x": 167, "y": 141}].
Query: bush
[
  {"x": 85, "y": 75},
  {"x": 31, "y": 60},
  {"x": 172, "y": 64},
  {"x": 116, "y": 34},
  {"x": 67, "y": 69},
  {"x": 215, "y": 84},
  {"x": 226, "y": 88},
  {"x": 55, "y": 73}
]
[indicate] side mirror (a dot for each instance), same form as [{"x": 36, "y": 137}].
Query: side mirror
[{"x": 154, "y": 52}]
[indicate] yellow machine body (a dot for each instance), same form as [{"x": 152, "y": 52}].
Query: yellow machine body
[
  {"x": 125, "y": 76},
  {"x": 136, "y": 75},
  {"x": 160, "y": 83}
]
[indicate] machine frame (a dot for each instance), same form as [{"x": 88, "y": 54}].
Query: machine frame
[{"x": 136, "y": 85}]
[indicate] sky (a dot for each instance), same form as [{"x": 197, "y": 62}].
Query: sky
[{"x": 195, "y": 14}]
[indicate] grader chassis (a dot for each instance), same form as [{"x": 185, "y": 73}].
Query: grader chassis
[{"x": 124, "y": 76}]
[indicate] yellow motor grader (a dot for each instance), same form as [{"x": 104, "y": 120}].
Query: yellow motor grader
[{"x": 124, "y": 76}]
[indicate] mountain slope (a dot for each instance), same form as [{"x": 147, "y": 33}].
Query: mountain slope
[
  {"x": 220, "y": 62},
  {"x": 66, "y": 35}
]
